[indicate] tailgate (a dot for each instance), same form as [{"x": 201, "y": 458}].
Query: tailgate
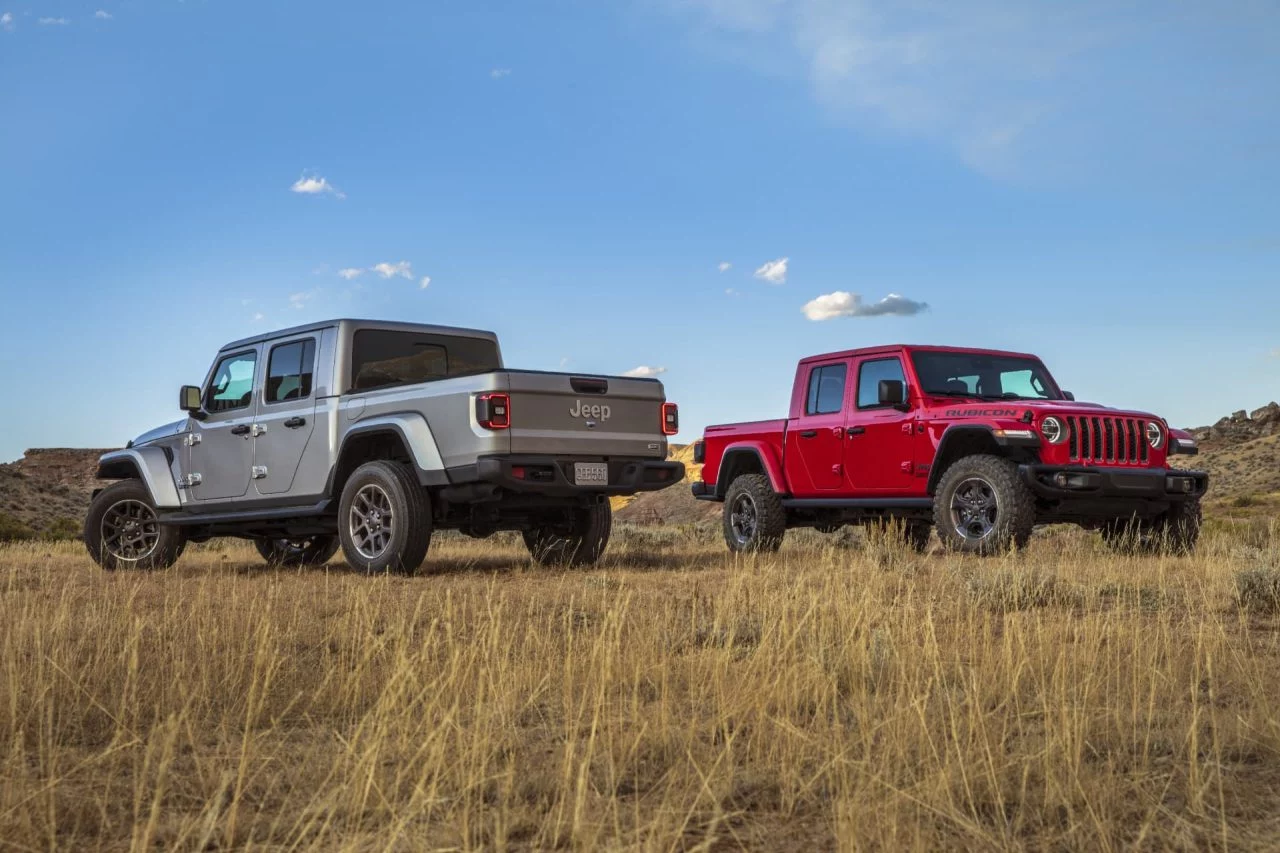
[{"x": 574, "y": 415}]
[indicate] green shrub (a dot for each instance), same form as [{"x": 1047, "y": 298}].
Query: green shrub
[
  {"x": 13, "y": 530},
  {"x": 1258, "y": 590},
  {"x": 62, "y": 528}
]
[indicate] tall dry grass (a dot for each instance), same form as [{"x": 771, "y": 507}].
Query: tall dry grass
[{"x": 674, "y": 698}]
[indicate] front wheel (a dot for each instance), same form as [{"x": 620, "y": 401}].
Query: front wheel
[
  {"x": 292, "y": 553},
  {"x": 123, "y": 531},
  {"x": 983, "y": 507},
  {"x": 754, "y": 518},
  {"x": 577, "y": 540},
  {"x": 384, "y": 519}
]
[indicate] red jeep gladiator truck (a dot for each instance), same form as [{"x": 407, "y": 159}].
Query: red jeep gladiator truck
[{"x": 980, "y": 444}]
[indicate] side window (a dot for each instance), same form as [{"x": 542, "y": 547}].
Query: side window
[
  {"x": 826, "y": 390},
  {"x": 232, "y": 385},
  {"x": 869, "y": 376},
  {"x": 289, "y": 371}
]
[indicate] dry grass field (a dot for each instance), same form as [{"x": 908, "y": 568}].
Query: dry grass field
[{"x": 834, "y": 696}]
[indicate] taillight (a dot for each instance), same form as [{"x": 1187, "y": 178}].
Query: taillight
[
  {"x": 670, "y": 419},
  {"x": 493, "y": 411},
  {"x": 699, "y": 451}
]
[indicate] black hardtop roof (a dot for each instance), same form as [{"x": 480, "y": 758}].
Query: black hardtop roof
[{"x": 388, "y": 325}]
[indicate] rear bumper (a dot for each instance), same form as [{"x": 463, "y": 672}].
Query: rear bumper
[
  {"x": 1060, "y": 482},
  {"x": 553, "y": 475}
]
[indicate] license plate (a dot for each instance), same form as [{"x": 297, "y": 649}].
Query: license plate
[{"x": 591, "y": 473}]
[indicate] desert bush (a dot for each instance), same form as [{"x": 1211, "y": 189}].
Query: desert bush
[
  {"x": 62, "y": 528},
  {"x": 13, "y": 530},
  {"x": 1258, "y": 590}
]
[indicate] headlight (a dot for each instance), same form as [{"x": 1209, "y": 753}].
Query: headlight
[
  {"x": 1155, "y": 435},
  {"x": 1053, "y": 430}
]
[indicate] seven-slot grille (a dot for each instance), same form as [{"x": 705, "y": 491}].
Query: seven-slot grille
[{"x": 1101, "y": 438}]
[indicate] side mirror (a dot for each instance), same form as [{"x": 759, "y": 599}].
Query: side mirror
[
  {"x": 191, "y": 401},
  {"x": 1068, "y": 395},
  {"x": 892, "y": 392}
]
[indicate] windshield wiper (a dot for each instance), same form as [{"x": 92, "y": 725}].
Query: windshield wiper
[{"x": 965, "y": 395}]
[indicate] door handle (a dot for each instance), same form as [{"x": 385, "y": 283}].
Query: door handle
[
  {"x": 856, "y": 431},
  {"x": 294, "y": 423},
  {"x": 242, "y": 429},
  {"x": 809, "y": 433}
]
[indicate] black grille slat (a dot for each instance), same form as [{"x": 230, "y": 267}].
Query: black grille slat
[{"x": 1116, "y": 440}]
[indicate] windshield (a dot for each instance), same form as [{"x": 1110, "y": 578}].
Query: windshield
[{"x": 990, "y": 377}]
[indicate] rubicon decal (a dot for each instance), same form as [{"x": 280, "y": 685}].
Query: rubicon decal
[
  {"x": 594, "y": 411},
  {"x": 981, "y": 413}
]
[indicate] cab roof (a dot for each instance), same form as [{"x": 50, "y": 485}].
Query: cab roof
[{"x": 888, "y": 349}]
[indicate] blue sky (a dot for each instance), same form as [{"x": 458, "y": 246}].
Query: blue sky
[{"x": 1098, "y": 182}]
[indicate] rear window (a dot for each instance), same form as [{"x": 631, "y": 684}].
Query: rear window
[{"x": 379, "y": 358}]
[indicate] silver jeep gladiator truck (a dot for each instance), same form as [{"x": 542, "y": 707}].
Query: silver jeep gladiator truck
[{"x": 369, "y": 436}]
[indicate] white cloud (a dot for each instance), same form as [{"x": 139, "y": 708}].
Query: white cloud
[
  {"x": 6, "y": 21},
  {"x": 729, "y": 291},
  {"x": 1014, "y": 88},
  {"x": 316, "y": 185},
  {"x": 723, "y": 266},
  {"x": 644, "y": 371},
  {"x": 300, "y": 300},
  {"x": 841, "y": 303},
  {"x": 259, "y": 317},
  {"x": 351, "y": 273},
  {"x": 102, "y": 15},
  {"x": 564, "y": 362},
  {"x": 499, "y": 73},
  {"x": 404, "y": 269},
  {"x": 774, "y": 272},
  {"x": 425, "y": 283},
  {"x": 54, "y": 22},
  {"x": 1275, "y": 353}
]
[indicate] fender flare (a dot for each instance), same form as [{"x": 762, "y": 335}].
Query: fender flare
[
  {"x": 763, "y": 454},
  {"x": 148, "y": 464},
  {"x": 416, "y": 434},
  {"x": 955, "y": 431}
]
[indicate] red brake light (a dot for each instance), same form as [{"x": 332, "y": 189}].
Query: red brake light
[
  {"x": 670, "y": 419},
  {"x": 493, "y": 411}
]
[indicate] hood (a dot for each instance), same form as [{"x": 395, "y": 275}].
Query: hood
[
  {"x": 975, "y": 407},
  {"x": 159, "y": 433}
]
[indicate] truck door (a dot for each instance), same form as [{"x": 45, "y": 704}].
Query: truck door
[
  {"x": 220, "y": 446},
  {"x": 815, "y": 440},
  {"x": 879, "y": 451},
  {"x": 286, "y": 414}
]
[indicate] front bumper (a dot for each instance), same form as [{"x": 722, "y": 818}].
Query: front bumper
[
  {"x": 554, "y": 475},
  {"x": 1063, "y": 482}
]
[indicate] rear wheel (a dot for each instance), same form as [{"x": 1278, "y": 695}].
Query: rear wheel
[
  {"x": 123, "y": 531},
  {"x": 983, "y": 507},
  {"x": 304, "y": 551},
  {"x": 384, "y": 519},
  {"x": 754, "y": 519},
  {"x": 577, "y": 540},
  {"x": 1175, "y": 531}
]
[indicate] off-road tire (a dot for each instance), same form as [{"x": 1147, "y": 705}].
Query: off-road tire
[
  {"x": 1008, "y": 522},
  {"x": 1175, "y": 531},
  {"x": 293, "y": 553},
  {"x": 166, "y": 542},
  {"x": 754, "y": 519},
  {"x": 580, "y": 543},
  {"x": 406, "y": 503}
]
